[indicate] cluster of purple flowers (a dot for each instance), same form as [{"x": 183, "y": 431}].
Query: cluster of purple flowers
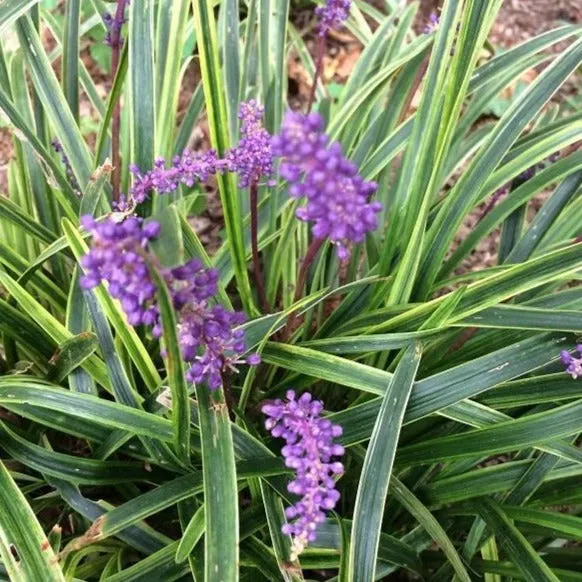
[
  {"x": 57, "y": 146},
  {"x": 337, "y": 196},
  {"x": 120, "y": 255},
  {"x": 211, "y": 332},
  {"x": 309, "y": 450},
  {"x": 208, "y": 336},
  {"x": 186, "y": 169},
  {"x": 252, "y": 157},
  {"x": 573, "y": 365},
  {"x": 332, "y": 14}
]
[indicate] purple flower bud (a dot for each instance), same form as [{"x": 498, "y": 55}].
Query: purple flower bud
[
  {"x": 254, "y": 360},
  {"x": 114, "y": 24},
  {"x": 308, "y": 451},
  {"x": 554, "y": 157}
]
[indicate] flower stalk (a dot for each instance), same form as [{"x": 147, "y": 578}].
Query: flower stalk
[
  {"x": 257, "y": 269},
  {"x": 116, "y": 42},
  {"x": 320, "y": 51}
]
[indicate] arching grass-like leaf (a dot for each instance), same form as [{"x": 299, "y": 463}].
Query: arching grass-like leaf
[
  {"x": 377, "y": 470},
  {"x": 221, "y": 538}
]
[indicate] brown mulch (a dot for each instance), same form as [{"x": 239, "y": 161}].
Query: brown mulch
[{"x": 519, "y": 20}]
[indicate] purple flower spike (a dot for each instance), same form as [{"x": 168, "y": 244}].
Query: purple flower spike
[
  {"x": 208, "y": 338},
  {"x": 573, "y": 365},
  {"x": 211, "y": 344},
  {"x": 332, "y": 14},
  {"x": 186, "y": 169},
  {"x": 252, "y": 157},
  {"x": 308, "y": 450},
  {"x": 337, "y": 197},
  {"x": 118, "y": 256}
]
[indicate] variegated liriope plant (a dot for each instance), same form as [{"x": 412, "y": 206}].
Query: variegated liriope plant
[{"x": 332, "y": 394}]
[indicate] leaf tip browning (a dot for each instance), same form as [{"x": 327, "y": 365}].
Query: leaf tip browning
[{"x": 93, "y": 534}]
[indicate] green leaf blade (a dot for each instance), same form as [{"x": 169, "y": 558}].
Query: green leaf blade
[{"x": 377, "y": 469}]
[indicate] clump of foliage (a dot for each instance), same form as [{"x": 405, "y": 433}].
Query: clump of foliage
[{"x": 329, "y": 396}]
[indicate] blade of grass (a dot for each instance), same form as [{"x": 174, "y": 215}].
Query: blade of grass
[
  {"x": 11, "y": 10},
  {"x": 377, "y": 470},
  {"x": 39, "y": 394},
  {"x": 70, "y": 60},
  {"x": 515, "y": 434},
  {"x": 175, "y": 368},
  {"x": 142, "y": 89},
  {"x": 54, "y": 103},
  {"x": 169, "y": 88},
  {"x": 26, "y": 552},
  {"x": 404, "y": 496},
  {"x": 506, "y": 132},
  {"x": 52, "y": 326},
  {"x": 221, "y": 540}
]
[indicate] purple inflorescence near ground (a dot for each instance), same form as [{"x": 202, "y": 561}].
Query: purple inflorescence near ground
[
  {"x": 309, "y": 450},
  {"x": 210, "y": 338},
  {"x": 573, "y": 365},
  {"x": 337, "y": 197},
  {"x": 332, "y": 14}
]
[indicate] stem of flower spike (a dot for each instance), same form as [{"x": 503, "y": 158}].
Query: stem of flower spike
[
  {"x": 310, "y": 255},
  {"x": 320, "y": 51},
  {"x": 307, "y": 261},
  {"x": 254, "y": 192},
  {"x": 116, "y": 121}
]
